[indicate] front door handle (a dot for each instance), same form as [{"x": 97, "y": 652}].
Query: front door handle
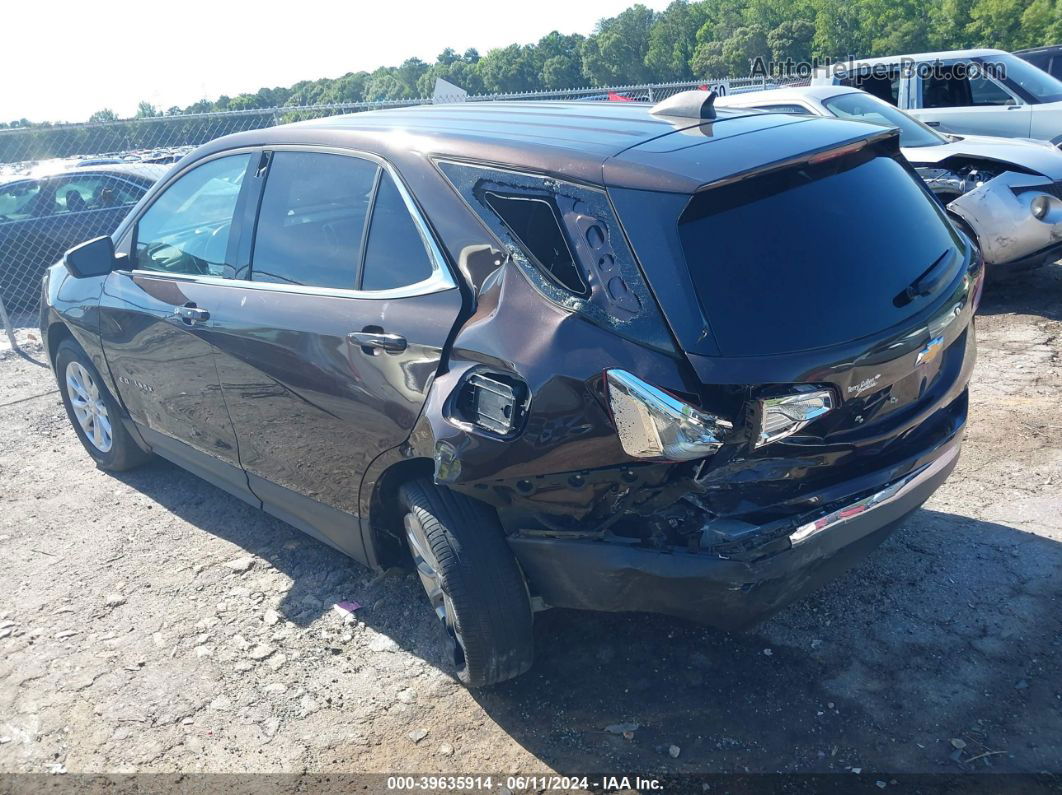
[
  {"x": 932, "y": 124},
  {"x": 372, "y": 341},
  {"x": 191, "y": 314}
]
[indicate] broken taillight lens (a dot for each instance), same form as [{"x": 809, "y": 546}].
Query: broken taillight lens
[
  {"x": 655, "y": 425},
  {"x": 784, "y": 415}
]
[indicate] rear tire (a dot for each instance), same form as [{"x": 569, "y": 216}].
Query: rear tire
[
  {"x": 472, "y": 580},
  {"x": 93, "y": 411}
]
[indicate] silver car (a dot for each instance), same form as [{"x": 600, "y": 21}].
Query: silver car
[
  {"x": 1005, "y": 192},
  {"x": 981, "y": 92}
]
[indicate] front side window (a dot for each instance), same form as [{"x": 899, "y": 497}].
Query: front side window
[
  {"x": 984, "y": 91},
  {"x": 17, "y": 200},
  {"x": 1035, "y": 85},
  {"x": 962, "y": 86},
  {"x": 312, "y": 219},
  {"x": 186, "y": 230}
]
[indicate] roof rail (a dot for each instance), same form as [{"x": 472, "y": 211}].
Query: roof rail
[{"x": 694, "y": 104}]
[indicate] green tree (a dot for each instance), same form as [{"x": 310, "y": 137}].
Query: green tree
[
  {"x": 895, "y": 26},
  {"x": 708, "y": 61},
  {"x": 673, "y": 39},
  {"x": 616, "y": 53},
  {"x": 507, "y": 70},
  {"x": 998, "y": 23},
  {"x": 348, "y": 88},
  {"x": 839, "y": 30},
  {"x": 407, "y": 74},
  {"x": 145, "y": 110},
  {"x": 1037, "y": 22},
  {"x": 770, "y": 14},
  {"x": 101, "y": 116},
  {"x": 742, "y": 47},
  {"x": 383, "y": 85},
  {"x": 948, "y": 21},
  {"x": 792, "y": 39}
]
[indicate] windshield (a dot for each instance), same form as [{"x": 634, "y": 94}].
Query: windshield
[
  {"x": 1034, "y": 85},
  {"x": 864, "y": 107},
  {"x": 814, "y": 255}
]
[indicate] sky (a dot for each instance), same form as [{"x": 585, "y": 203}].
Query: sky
[{"x": 78, "y": 57}]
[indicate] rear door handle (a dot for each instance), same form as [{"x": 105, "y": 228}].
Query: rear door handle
[
  {"x": 370, "y": 341},
  {"x": 191, "y": 314},
  {"x": 932, "y": 124}
]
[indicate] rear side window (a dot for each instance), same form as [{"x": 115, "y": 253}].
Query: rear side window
[
  {"x": 534, "y": 223},
  {"x": 784, "y": 108},
  {"x": 312, "y": 220},
  {"x": 812, "y": 256},
  {"x": 883, "y": 86},
  {"x": 95, "y": 192},
  {"x": 396, "y": 255}
]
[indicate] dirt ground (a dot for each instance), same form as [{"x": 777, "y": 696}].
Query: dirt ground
[{"x": 151, "y": 622}]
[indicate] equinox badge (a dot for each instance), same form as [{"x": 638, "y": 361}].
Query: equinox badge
[{"x": 930, "y": 352}]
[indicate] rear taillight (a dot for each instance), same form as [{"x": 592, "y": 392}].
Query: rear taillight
[
  {"x": 784, "y": 415},
  {"x": 655, "y": 425}
]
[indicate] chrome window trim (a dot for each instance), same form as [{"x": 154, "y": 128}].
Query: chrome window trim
[
  {"x": 437, "y": 283},
  {"x": 441, "y": 279}
]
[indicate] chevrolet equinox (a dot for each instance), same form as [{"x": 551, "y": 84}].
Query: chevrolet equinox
[{"x": 611, "y": 356}]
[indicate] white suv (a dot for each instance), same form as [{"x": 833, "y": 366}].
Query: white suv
[{"x": 982, "y": 92}]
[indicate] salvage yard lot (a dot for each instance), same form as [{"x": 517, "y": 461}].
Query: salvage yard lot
[{"x": 152, "y": 622}]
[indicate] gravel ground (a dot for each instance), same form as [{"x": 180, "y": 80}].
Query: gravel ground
[{"x": 151, "y": 622}]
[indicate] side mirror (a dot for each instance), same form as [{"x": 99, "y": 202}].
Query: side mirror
[{"x": 92, "y": 258}]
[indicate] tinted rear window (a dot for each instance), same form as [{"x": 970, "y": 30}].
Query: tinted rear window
[
  {"x": 811, "y": 256},
  {"x": 312, "y": 219}
]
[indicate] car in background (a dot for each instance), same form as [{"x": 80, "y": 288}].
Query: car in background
[
  {"x": 674, "y": 359},
  {"x": 981, "y": 92},
  {"x": 40, "y": 218},
  {"x": 1004, "y": 192},
  {"x": 98, "y": 161},
  {"x": 1048, "y": 59}
]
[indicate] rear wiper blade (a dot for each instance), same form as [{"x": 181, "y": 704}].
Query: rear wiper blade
[{"x": 927, "y": 283}]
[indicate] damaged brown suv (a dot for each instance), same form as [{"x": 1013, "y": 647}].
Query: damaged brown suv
[{"x": 608, "y": 356}]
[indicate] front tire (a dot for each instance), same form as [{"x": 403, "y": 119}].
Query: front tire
[
  {"x": 472, "y": 580},
  {"x": 93, "y": 411}
]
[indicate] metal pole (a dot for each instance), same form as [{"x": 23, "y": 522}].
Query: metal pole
[{"x": 11, "y": 336}]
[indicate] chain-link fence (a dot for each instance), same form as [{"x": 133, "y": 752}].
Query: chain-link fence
[{"x": 64, "y": 184}]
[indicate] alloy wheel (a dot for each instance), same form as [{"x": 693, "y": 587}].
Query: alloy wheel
[
  {"x": 428, "y": 570},
  {"x": 88, "y": 406}
]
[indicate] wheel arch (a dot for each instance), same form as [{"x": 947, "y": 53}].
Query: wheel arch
[
  {"x": 381, "y": 519},
  {"x": 56, "y": 333}
]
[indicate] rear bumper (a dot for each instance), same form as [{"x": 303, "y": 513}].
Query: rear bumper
[{"x": 614, "y": 575}]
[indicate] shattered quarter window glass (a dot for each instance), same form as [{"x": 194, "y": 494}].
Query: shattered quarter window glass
[{"x": 567, "y": 241}]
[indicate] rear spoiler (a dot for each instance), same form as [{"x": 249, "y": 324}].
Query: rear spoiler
[{"x": 887, "y": 139}]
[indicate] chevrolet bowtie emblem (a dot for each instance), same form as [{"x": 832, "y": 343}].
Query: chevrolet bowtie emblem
[{"x": 930, "y": 352}]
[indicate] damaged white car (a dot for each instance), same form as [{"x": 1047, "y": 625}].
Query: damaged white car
[{"x": 1004, "y": 192}]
